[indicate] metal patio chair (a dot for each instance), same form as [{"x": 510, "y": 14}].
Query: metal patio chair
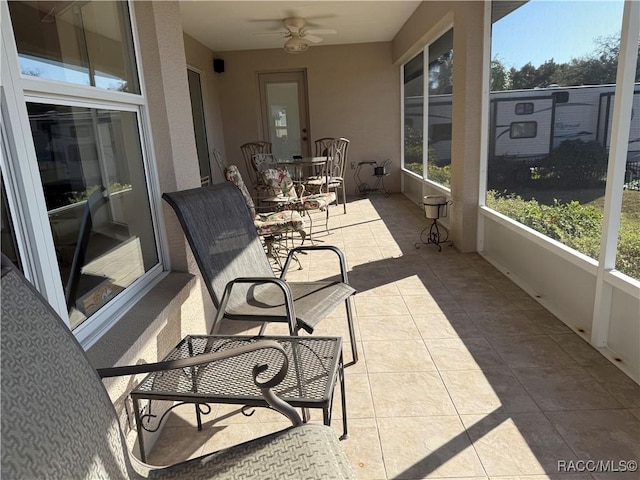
[
  {"x": 237, "y": 272},
  {"x": 58, "y": 421},
  {"x": 248, "y": 151}
]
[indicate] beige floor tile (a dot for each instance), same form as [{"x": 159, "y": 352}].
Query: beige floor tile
[
  {"x": 363, "y": 448},
  {"x": 516, "y": 443},
  {"x": 409, "y": 394},
  {"x": 427, "y": 304},
  {"x": 612, "y": 379},
  {"x": 530, "y": 351},
  {"x": 229, "y": 435},
  {"x": 177, "y": 444},
  {"x": 601, "y": 435},
  {"x": 487, "y": 391},
  {"x": 565, "y": 388},
  {"x": 397, "y": 356},
  {"x": 463, "y": 354},
  {"x": 446, "y": 325},
  {"x": 580, "y": 350},
  {"x": 376, "y": 306},
  {"x": 505, "y": 323},
  {"x": 427, "y": 447},
  {"x": 358, "y": 398},
  {"x": 546, "y": 321},
  {"x": 388, "y": 327}
]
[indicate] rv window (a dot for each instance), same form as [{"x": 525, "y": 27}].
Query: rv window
[
  {"x": 560, "y": 97},
  {"x": 440, "y": 132},
  {"x": 523, "y": 130},
  {"x": 524, "y": 108}
]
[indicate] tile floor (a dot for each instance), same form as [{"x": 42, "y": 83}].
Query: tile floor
[{"x": 461, "y": 376}]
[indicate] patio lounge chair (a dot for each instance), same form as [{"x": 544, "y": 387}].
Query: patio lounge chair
[
  {"x": 236, "y": 269},
  {"x": 58, "y": 421}
]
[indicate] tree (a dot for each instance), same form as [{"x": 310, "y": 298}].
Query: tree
[{"x": 500, "y": 79}]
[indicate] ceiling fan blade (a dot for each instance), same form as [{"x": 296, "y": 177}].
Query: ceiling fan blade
[
  {"x": 321, "y": 31},
  {"x": 265, "y": 34},
  {"x": 311, "y": 38}
]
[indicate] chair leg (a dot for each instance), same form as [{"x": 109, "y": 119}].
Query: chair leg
[
  {"x": 344, "y": 197},
  {"x": 352, "y": 331}
]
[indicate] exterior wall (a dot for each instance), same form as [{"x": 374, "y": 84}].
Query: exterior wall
[
  {"x": 201, "y": 58},
  {"x": 565, "y": 284},
  {"x": 353, "y": 92},
  {"x": 429, "y": 21}
]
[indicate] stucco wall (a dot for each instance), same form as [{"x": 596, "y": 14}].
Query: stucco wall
[
  {"x": 353, "y": 92},
  {"x": 429, "y": 21}
]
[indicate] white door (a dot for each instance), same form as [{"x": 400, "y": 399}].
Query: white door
[{"x": 283, "y": 102}]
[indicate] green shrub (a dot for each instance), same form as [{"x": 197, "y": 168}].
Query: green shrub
[
  {"x": 441, "y": 175},
  {"x": 575, "y": 225},
  {"x": 575, "y": 164}
]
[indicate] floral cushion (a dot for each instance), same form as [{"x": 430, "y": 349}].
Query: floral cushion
[
  {"x": 318, "y": 201},
  {"x": 279, "y": 222},
  {"x": 233, "y": 175},
  {"x": 278, "y": 182}
]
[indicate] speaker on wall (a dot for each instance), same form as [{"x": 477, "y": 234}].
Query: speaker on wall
[{"x": 218, "y": 65}]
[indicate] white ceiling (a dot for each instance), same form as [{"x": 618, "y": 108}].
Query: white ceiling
[{"x": 232, "y": 25}]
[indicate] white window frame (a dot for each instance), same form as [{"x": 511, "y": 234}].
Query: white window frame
[{"x": 29, "y": 212}]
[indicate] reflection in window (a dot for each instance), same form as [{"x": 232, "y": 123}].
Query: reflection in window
[
  {"x": 90, "y": 163},
  {"x": 440, "y": 109},
  {"x": 550, "y": 171},
  {"x": 414, "y": 114},
  {"x": 86, "y": 43}
]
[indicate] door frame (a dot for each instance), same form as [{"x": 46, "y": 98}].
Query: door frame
[{"x": 286, "y": 76}]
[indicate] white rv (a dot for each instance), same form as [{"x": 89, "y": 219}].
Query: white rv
[{"x": 528, "y": 124}]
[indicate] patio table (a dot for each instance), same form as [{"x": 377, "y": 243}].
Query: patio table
[{"x": 314, "y": 365}]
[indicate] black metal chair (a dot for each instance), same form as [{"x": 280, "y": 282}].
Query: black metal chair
[
  {"x": 58, "y": 421},
  {"x": 236, "y": 270}
]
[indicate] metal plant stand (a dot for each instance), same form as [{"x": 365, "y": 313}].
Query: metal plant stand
[
  {"x": 436, "y": 234},
  {"x": 379, "y": 171}
]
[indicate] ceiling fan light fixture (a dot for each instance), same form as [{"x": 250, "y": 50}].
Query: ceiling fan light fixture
[{"x": 295, "y": 45}]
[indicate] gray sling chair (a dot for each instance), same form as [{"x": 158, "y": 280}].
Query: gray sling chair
[
  {"x": 58, "y": 421},
  {"x": 236, "y": 270}
]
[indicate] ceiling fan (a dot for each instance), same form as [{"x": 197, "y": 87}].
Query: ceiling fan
[{"x": 298, "y": 35}]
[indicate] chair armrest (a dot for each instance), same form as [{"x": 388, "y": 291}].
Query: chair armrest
[
  {"x": 288, "y": 298},
  {"x": 265, "y": 386},
  {"x": 303, "y": 248}
]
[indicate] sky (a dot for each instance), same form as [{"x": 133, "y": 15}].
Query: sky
[{"x": 544, "y": 29}]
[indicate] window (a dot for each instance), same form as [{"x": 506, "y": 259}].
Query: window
[
  {"x": 414, "y": 114},
  {"x": 524, "y": 108},
  {"x": 199, "y": 126},
  {"x": 80, "y": 151},
  {"x": 560, "y": 97},
  {"x": 523, "y": 130},
  {"x": 440, "y": 109},
  {"x": 551, "y": 173},
  {"x": 92, "y": 167},
  {"x": 86, "y": 43}
]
